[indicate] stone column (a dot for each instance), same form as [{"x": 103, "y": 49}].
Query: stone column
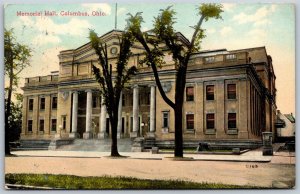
[
  {"x": 24, "y": 116},
  {"x": 119, "y": 117},
  {"x": 152, "y": 112},
  {"x": 74, "y": 133},
  {"x": 102, "y": 131},
  {"x": 135, "y": 110},
  {"x": 88, "y": 122}
]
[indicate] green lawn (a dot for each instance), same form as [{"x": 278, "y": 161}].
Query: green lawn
[{"x": 106, "y": 182}]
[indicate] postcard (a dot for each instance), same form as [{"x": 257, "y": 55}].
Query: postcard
[{"x": 149, "y": 96}]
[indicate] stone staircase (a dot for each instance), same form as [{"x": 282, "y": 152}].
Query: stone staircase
[
  {"x": 96, "y": 145},
  {"x": 33, "y": 145}
]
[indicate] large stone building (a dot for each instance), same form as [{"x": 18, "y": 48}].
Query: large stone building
[{"x": 229, "y": 95}]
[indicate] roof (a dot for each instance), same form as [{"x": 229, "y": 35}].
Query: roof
[{"x": 290, "y": 117}]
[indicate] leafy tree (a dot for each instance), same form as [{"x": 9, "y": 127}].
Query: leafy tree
[
  {"x": 111, "y": 83},
  {"x": 16, "y": 58},
  {"x": 15, "y": 118},
  {"x": 163, "y": 32}
]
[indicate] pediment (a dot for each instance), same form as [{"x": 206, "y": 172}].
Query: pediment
[{"x": 111, "y": 39}]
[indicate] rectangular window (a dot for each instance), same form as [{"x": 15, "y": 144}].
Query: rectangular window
[
  {"x": 231, "y": 57},
  {"x": 64, "y": 122},
  {"x": 53, "y": 125},
  {"x": 210, "y": 121},
  {"x": 123, "y": 100},
  {"x": 148, "y": 98},
  {"x": 231, "y": 120},
  {"x": 41, "y": 124},
  {"x": 95, "y": 99},
  {"x": 54, "y": 102},
  {"x": 231, "y": 91},
  {"x": 42, "y": 104},
  {"x": 189, "y": 121},
  {"x": 30, "y": 106},
  {"x": 29, "y": 127},
  {"x": 165, "y": 119},
  {"x": 210, "y": 92},
  {"x": 189, "y": 93},
  {"x": 209, "y": 59}
]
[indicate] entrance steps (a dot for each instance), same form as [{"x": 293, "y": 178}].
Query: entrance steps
[{"x": 96, "y": 145}]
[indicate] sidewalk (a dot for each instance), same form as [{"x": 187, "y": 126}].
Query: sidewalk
[
  {"x": 251, "y": 156},
  {"x": 265, "y": 171}
]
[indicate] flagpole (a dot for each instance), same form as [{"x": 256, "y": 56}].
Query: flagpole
[{"x": 116, "y": 16}]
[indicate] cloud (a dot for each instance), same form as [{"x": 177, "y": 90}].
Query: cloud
[
  {"x": 257, "y": 33},
  {"x": 211, "y": 31},
  {"x": 43, "y": 62},
  {"x": 262, "y": 22},
  {"x": 258, "y": 16},
  {"x": 228, "y": 6},
  {"x": 104, "y": 7},
  {"x": 121, "y": 11},
  {"x": 45, "y": 39},
  {"x": 144, "y": 29},
  {"x": 225, "y": 31},
  {"x": 74, "y": 27}
]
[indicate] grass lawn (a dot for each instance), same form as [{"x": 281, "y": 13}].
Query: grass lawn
[{"x": 106, "y": 182}]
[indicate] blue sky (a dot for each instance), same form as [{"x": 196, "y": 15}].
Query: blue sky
[{"x": 243, "y": 26}]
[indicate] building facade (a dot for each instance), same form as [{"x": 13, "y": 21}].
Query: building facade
[
  {"x": 228, "y": 95},
  {"x": 285, "y": 125}
]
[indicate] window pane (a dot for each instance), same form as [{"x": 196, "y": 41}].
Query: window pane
[
  {"x": 30, "y": 104},
  {"x": 190, "y": 121},
  {"x": 30, "y": 125},
  {"x": 53, "y": 124},
  {"x": 231, "y": 91},
  {"x": 231, "y": 120},
  {"x": 54, "y": 102},
  {"x": 123, "y": 100},
  {"x": 210, "y": 92},
  {"x": 189, "y": 93},
  {"x": 165, "y": 119},
  {"x": 42, "y": 105},
  {"x": 210, "y": 121},
  {"x": 95, "y": 101},
  {"x": 41, "y": 125},
  {"x": 230, "y": 57},
  {"x": 209, "y": 59},
  {"x": 64, "y": 122}
]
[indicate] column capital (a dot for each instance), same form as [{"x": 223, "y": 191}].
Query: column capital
[
  {"x": 135, "y": 86},
  {"x": 152, "y": 85},
  {"x": 88, "y": 90}
]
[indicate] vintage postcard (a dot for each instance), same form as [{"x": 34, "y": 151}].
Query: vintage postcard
[{"x": 149, "y": 96}]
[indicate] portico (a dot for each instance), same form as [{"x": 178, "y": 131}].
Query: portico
[{"x": 126, "y": 111}]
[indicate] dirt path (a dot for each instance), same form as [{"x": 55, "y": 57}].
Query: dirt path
[{"x": 237, "y": 173}]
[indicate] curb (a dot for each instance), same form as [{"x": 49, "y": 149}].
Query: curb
[{"x": 28, "y": 187}]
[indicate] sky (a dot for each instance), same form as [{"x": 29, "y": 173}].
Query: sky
[{"x": 242, "y": 26}]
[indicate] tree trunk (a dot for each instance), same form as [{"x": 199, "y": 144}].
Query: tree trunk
[
  {"x": 178, "y": 152},
  {"x": 179, "y": 95},
  {"x": 114, "y": 140}
]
